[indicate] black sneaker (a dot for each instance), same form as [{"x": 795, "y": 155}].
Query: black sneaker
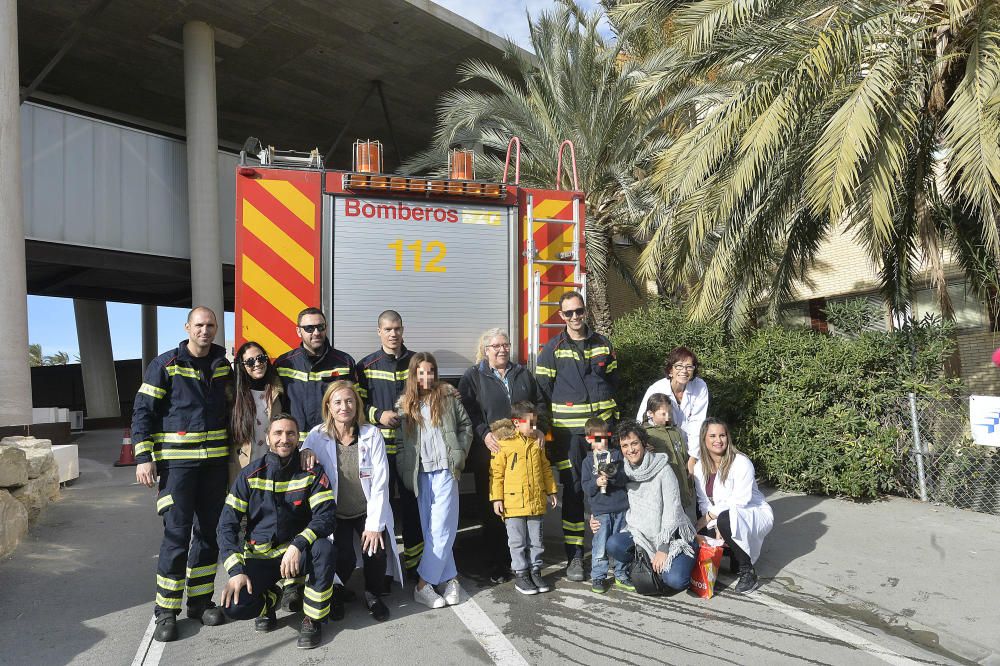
[
  {"x": 209, "y": 614},
  {"x": 310, "y": 634},
  {"x": 291, "y": 598},
  {"x": 378, "y": 610},
  {"x": 337, "y": 603},
  {"x": 166, "y": 628},
  {"x": 539, "y": 582},
  {"x": 523, "y": 583},
  {"x": 748, "y": 581},
  {"x": 574, "y": 570},
  {"x": 265, "y": 623}
]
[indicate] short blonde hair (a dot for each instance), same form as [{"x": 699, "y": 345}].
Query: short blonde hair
[
  {"x": 484, "y": 340},
  {"x": 341, "y": 385}
]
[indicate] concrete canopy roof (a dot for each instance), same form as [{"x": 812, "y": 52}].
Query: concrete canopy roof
[{"x": 291, "y": 72}]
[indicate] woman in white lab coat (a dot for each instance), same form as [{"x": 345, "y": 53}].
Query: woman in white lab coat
[
  {"x": 732, "y": 507},
  {"x": 353, "y": 456}
]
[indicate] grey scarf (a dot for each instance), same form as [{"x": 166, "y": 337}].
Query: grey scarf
[{"x": 656, "y": 517}]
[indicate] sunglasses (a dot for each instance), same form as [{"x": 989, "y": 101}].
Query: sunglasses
[
  {"x": 250, "y": 362},
  {"x": 309, "y": 328},
  {"x": 569, "y": 314}
]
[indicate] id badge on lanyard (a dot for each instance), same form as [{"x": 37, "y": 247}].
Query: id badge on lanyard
[{"x": 364, "y": 465}]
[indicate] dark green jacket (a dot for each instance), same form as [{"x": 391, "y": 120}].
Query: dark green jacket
[{"x": 456, "y": 428}]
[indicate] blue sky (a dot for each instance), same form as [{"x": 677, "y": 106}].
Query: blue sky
[{"x": 51, "y": 322}]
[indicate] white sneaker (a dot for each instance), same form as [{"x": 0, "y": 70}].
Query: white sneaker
[
  {"x": 428, "y": 597},
  {"x": 451, "y": 592}
]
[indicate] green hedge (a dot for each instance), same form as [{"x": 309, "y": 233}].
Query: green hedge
[{"x": 809, "y": 409}]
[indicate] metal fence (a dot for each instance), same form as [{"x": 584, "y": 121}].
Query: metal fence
[{"x": 939, "y": 462}]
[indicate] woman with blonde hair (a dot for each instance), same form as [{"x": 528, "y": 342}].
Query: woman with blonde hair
[
  {"x": 732, "y": 506},
  {"x": 353, "y": 455},
  {"x": 435, "y": 434},
  {"x": 488, "y": 390}
]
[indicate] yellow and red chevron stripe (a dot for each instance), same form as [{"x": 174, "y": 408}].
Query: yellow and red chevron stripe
[
  {"x": 550, "y": 241},
  {"x": 277, "y": 255}
]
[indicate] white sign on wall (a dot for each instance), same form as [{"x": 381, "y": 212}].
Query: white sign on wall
[{"x": 984, "y": 415}]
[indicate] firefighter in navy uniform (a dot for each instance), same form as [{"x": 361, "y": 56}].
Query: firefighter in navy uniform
[
  {"x": 576, "y": 372},
  {"x": 383, "y": 376},
  {"x": 290, "y": 512},
  {"x": 305, "y": 373},
  {"x": 179, "y": 424}
]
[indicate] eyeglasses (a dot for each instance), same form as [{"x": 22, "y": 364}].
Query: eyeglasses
[
  {"x": 250, "y": 362},
  {"x": 309, "y": 328},
  {"x": 501, "y": 347},
  {"x": 569, "y": 314},
  {"x": 681, "y": 366}
]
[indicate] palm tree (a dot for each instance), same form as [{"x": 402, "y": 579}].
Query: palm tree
[
  {"x": 34, "y": 355},
  {"x": 878, "y": 115},
  {"x": 579, "y": 87},
  {"x": 58, "y": 358}
]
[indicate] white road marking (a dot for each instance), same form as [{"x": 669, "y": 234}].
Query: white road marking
[
  {"x": 834, "y": 631},
  {"x": 149, "y": 651},
  {"x": 497, "y": 646}
]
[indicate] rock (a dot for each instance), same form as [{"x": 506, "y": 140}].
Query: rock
[
  {"x": 26, "y": 442},
  {"x": 13, "y": 467},
  {"x": 13, "y": 523},
  {"x": 50, "y": 477},
  {"x": 34, "y": 495},
  {"x": 39, "y": 462}
]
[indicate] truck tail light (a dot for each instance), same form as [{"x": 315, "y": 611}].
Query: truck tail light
[{"x": 367, "y": 156}]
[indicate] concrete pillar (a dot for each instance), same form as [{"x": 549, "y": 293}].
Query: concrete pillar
[
  {"x": 150, "y": 346},
  {"x": 202, "y": 168},
  {"x": 15, "y": 376},
  {"x": 100, "y": 386}
]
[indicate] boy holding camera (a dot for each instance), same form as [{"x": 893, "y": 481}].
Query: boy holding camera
[
  {"x": 521, "y": 484},
  {"x": 602, "y": 477}
]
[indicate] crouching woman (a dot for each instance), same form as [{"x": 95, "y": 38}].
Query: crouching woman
[{"x": 656, "y": 520}]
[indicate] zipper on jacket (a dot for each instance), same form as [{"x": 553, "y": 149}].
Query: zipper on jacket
[{"x": 513, "y": 462}]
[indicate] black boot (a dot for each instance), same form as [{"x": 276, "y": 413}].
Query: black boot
[
  {"x": 166, "y": 628},
  {"x": 291, "y": 598},
  {"x": 209, "y": 614},
  {"x": 748, "y": 581},
  {"x": 310, "y": 634},
  {"x": 266, "y": 622},
  {"x": 337, "y": 603}
]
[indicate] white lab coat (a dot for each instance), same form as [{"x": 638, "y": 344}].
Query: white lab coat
[
  {"x": 371, "y": 453},
  {"x": 688, "y": 415},
  {"x": 750, "y": 515}
]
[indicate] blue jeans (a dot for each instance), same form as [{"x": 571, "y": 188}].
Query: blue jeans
[
  {"x": 677, "y": 577},
  {"x": 611, "y": 524}
]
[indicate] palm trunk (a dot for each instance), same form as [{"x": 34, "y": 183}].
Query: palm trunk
[{"x": 598, "y": 305}]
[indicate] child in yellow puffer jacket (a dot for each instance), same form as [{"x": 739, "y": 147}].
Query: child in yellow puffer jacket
[{"x": 520, "y": 483}]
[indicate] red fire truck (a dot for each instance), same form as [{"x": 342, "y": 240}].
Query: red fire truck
[{"x": 454, "y": 256}]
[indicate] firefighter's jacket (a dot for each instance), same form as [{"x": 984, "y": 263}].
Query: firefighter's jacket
[
  {"x": 383, "y": 378},
  {"x": 520, "y": 474},
  {"x": 181, "y": 419},
  {"x": 579, "y": 383},
  {"x": 283, "y": 504},
  {"x": 305, "y": 379}
]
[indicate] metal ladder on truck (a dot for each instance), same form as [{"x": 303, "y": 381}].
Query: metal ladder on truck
[{"x": 536, "y": 266}]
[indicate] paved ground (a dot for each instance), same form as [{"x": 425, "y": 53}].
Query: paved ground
[{"x": 888, "y": 582}]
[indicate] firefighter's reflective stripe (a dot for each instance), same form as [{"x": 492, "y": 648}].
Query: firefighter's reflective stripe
[
  {"x": 263, "y": 551},
  {"x": 320, "y": 376},
  {"x": 199, "y": 453},
  {"x": 188, "y": 437},
  {"x": 237, "y": 503},
  {"x": 164, "y": 502},
  {"x": 319, "y": 498},
  {"x": 236, "y": 559},
  {"x": 411, "y": 556},
  {"x": 190, "y": 373},
  {"x": 199, "y": 590},
  {"x": 168, "y": 602},
  {"x": 221, "y": 371},
  {"x": 153, "y": 391},
  {"x": 563, "y": 464},
  {"x": 583, "y": 407},
  {"x": 319, "y": 595},
  {"x": 308, "y": 535},
  {"x": 169, "y": 584},
  {"x": 582, "y": 421},
  {"x": 548, "y": 372},
  {"x": 198, "y": 572},
  {"x": 281, "y": 486},
  {"x": 143, "y": 447}
]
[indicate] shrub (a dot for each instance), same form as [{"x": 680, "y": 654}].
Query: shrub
[{"x": 808, "y": 408}]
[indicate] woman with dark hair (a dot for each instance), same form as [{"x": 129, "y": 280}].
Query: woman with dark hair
[
  {"x": 688, "y": 395},
  {"x": 433, "y": 441},
  {"x": 258, "y": 395},
  {"x": 732, "y": 507}
]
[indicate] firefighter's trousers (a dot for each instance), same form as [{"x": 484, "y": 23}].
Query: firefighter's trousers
[
  {"x": 190, "y": 501},
  {"x": 317, "y": 563},
  {"x": 406, "y": 514},
  {"x": 572, "y": 501}
]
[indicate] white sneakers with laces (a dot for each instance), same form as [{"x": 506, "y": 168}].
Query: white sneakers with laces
[
  {"x": 428, "y": 597},
  {"x": 451, "y": 592}
]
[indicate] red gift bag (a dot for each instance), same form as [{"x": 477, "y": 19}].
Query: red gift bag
[{"x": 706, "y": 568}]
